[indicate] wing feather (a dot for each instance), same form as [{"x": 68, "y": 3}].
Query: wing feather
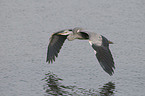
[
  {"x": 55, "y": 44},
  {"x": 104, "y": 56},
  {"x": 105, "y": 59}
]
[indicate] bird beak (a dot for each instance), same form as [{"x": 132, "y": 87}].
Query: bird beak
[{"x": 65, "y": 33}]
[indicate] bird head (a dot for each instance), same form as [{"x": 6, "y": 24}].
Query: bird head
[{"x": 76, "y": 30}]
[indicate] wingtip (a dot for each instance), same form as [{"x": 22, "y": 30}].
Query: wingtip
[
  {"x": 111, "y": 74},
  {"x": 49, "y": 61}
]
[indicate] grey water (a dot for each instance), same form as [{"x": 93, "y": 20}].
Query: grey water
[{"x": 25, "y": 29}]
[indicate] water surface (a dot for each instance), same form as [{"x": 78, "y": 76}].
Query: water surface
[{"x": 25, "y": 28}]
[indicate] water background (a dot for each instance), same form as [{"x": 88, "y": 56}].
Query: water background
[{"x": 25, "y": 28}]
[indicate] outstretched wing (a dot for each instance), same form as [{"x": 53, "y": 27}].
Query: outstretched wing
[
  {"x": 55, "y": 44},
  {"x": 104, "y": 56}
]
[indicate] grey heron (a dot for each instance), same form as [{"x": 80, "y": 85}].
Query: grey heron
[{"x": 99, "y": 43}]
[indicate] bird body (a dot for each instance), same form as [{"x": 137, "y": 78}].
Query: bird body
[
  {"x": 95, "y": 38},
  {"x": 99, "y": 43}
]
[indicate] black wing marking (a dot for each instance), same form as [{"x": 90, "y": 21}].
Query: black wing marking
[
  {"x": 104, "y": 57},
  {"x": 55, "y": 44}
]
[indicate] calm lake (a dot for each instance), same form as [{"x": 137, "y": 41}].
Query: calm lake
[{"x": 25, "y": 29}]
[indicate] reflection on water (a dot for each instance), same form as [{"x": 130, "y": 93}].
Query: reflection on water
[
  {"x": 107, "y": 89},
  {"x": 54, "y": 87}
]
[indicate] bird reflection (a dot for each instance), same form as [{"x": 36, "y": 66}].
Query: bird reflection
[
  {"x": 108, "y": 89},
  {"x": 54, "y": 87}
]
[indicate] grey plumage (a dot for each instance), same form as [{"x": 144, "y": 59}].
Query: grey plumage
[
  {"x": 55, "y": 44},
  {"x": 99, "y": 43},
  {"x": 104, "y": 57}
]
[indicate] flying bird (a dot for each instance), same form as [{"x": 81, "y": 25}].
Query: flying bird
[{"x": 99, "y": 43}]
